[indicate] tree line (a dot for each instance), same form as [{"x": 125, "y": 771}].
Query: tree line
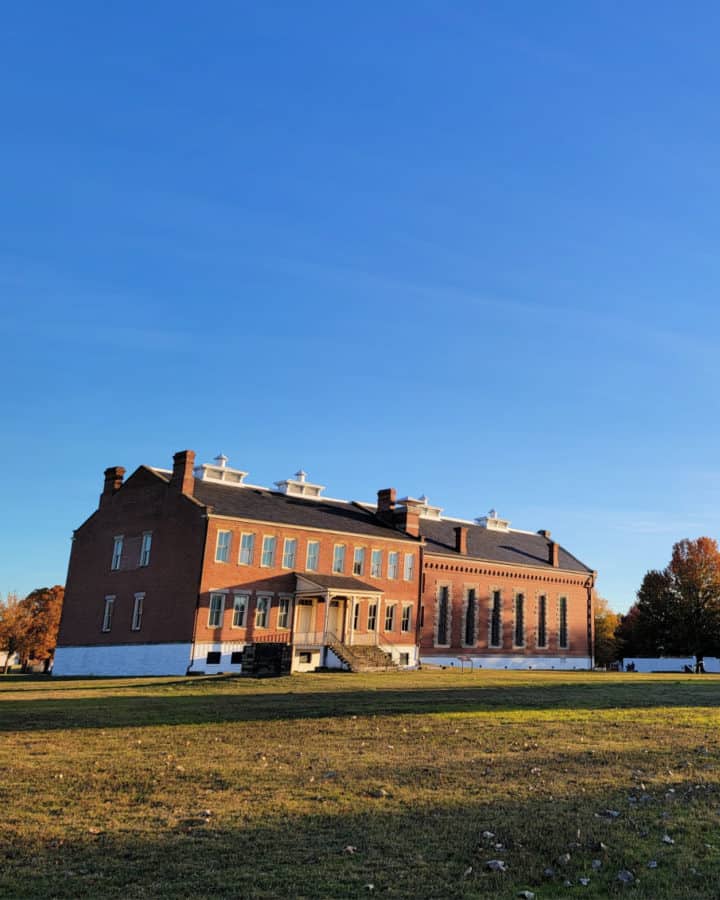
[
  {"x": 29, "y": 626},
  {"x": 676, "y": 613}
]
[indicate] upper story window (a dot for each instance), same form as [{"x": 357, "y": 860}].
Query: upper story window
[
  {"x": 215, "y": 613},
  {"x": 117, "y": 552},
  {"x": 389, "y": 617},
  {"x": 495, "y": 619},
  {"x": 409, "y": 566},
  {"x": 563, "y": 629},
  {"x": 443, "y": 614},
  {"x": 519, "y": 637},
  {"x": 137, "y": 613},
  {"x": 393, "y": 564},
  {"x": 313, "y": 556},
  {"x": 262, "y": 608},
  {"x": 145, "y": 548},
  {"x": 247, "y": 549},
  {"x": 470, "y": 607},
  {"x": 268, "y": 551},
  {"x": 339, "y": 559},
  {"x": 108, "y": 613},
  {"x": 240, "y": 607},
  {"x": 542, "y": 621},
  {"x": 289, "y": 553},
  {"x": 376, "y": 564},
  {"x": 406, "y": 622},
  {"x": 359, "y": 561},
  {"x": 222, "y": 547}
]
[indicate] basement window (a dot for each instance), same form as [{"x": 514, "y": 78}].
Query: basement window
[
  {"x": 236, "y": 658},
  {"x": 213, "y": 658},
  {"x": 305, "y": 657}
]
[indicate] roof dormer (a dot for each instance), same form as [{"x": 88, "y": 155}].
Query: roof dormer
[
  {"x": 493, "y": 522},
  {"x": 299, "y": 486},
  {"x": 220, "y": 471}
]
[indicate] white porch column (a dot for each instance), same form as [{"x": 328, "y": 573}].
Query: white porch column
[
  {"x": 325, "y": 627},
  {"x": 351, "y": 624}
]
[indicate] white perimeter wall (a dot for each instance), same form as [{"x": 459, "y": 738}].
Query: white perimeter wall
[
  {"x": 226, "y": 650},
  {"x": 669, "y": 663},
  {"x": 123, "y": 659},
  {"x": 510, "y": 662}
]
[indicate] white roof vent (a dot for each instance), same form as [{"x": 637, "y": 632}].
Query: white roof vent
[
  {"x": 493, "y": 522},
  {"x": 220, "y": 471},
  {"x": 299, "y": 486}
]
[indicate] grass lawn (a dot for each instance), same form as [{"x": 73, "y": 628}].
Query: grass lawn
[{"x": 331, "y": 786}]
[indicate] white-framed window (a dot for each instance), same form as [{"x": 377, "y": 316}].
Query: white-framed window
[
  {"x": 262, "y": 612},
  {"x": 222, "y": 547},
  {"x": 393, "y": 564},
  {"x": 117, "y": 552},
  {"x": 339, "y": 559},
  {"x": 217, "y": 608},
  {"x": 247, "y": 549},
  {"x": 289, "y": 553},
  {"x": 108, "y": 612},
  {"x": 356, "y": 617},
  {"x": 283, "y": 612},
  {"x": 389, "y": 617},
  {"x": 240, "y": 608},
  {"x": 268, "y": 551},
  {"x": 372, "y": 616},
  {"x": 312, "y": 560},
  {"x": 137, "y": 612},
  {"x": 359, "y": 561},
  {"x": 409, "y": 566},
  {"x": 519, "y": 630},
  {"x": 406, "y": 621},
  {"x": 376, "y": 564},
  {"x": 145, "y": 546},
  {"x": 563, "y": 623}
]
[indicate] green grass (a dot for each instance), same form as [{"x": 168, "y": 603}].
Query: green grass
[{"x": 106, "y": 785}]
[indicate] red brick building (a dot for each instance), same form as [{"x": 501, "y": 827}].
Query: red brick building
[{"x": 194, "y": 570}]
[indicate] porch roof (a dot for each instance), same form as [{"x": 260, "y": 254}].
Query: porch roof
[{"x": 344, "y": 583}]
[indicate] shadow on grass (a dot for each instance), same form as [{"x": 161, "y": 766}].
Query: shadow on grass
[
  {"x": 433, "y": 851},
  {"x": 290, "y": 701}
]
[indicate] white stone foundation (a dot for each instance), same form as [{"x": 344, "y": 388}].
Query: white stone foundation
[
  {"x": 123, "y": 659},
  {"x": 565, "y": 663}
]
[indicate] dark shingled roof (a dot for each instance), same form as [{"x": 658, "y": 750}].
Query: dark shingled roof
[
  {"x": 271, "y": 506},
  {"x": 515, "y": 547},
  {"x": 338, "y": 582}
]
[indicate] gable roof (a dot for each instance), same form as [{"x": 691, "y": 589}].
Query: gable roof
[
  {"x": 518, "y": 548},
  {"x": 271, "y": 506}
]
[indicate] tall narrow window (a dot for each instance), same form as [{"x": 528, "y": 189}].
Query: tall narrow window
[
  {"x": 470, "y": 618},
  {"x": 359, "y": 561},
  {"x": 409, "y": 567},
  {"x": 406, "y": 622},
  {"x": 393, "y": 564},
  {"x": 289, "y": 553},
  {"x": 339, "y": 559},
  {"x": 108, "y": 613},
  {"x": 376, "y": 564},
  {"x": 443, "y": 605},
  {"x": 222, "y": 547},
  {"x": 217, "y": 607},
  {"x": 313, "y": 556},
  {"x": 247, "y": 549},
  {"x": 262, "y": 606},
  {"x": 356, "y": 617},
  {"x": 496, "y": 619},
  {"x": 563, "y": 630},
  {"x": 284, "y": 612},
  {"x": 145, "y": 548},
  {"x": 542, "y": 621},
  {"x": 389, "y": 617},
  {"x": 137, "y": 612},
  {"x": 268, "y": 551},
  {"x": 117, "y": 552},
  {"x": 240, "y": 605},
  {"x": 372, "y": 616},
  {"x": 519, "y": 620}
]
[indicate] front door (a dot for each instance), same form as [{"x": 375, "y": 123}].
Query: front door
[
  {"x": 335, "y": 621},
  {"x": 305, "y": 618}
]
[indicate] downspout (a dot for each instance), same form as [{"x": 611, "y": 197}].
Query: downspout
[{"x": 591, "y": 619}]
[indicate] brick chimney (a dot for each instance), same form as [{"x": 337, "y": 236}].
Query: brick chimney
[
  {"x": 113, "y": 482},
  {"x": 461, "y": 536},
  {"x": 182, "y": 479},
  {"x": 553, "y": 553},
  {"x": 411, "y": 521},
  {"x": 386, "y": 505},
  {"x": 544, "y": 533}
]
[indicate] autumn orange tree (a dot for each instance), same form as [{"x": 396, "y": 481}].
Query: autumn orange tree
[
  {"x": 606, "y": 648},
  {"x": 29, "y": 627},
  {"x": 678, "y": 609},
  {"x": 13, "y": 622}
]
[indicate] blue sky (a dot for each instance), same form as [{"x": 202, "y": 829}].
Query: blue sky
[{"x": 465, "y": 249}]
